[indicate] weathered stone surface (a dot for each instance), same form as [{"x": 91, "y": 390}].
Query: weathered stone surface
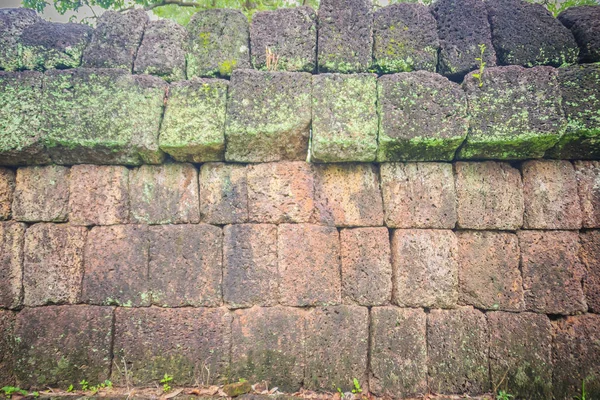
[
  {"x": 489, "y": 196},
  {"x": 425, "y": 264},
  {"x": 418, "y": 195},
  {"x": 462, "y": 27},
  {"x": 116, "y": 266},
  {"x": 583, "y": 23},
  {"x": 11, "y": 265},
  {"x": 281, "y": 192},
  {"x": 53, "y": 264},
  {"x": 344, "y": 122},
  {"x": 13, "y": 21},
  {"x": 552, "y": 271},
  {"x": 62, "y": 345},
  {"x": 488, "y": 273},
  {"x": 550, "y": 195},
  {"x": 590, "y": 257},
  {"x": 588, "y": 188},
  {"x": 457, "y": 344},
  {"x": 218, "y": 42},
  {"x": 164, "y": 194},
  {"x": 187, "y": 342},
  {"x": 309, "y": 265},
  {"x": 193, "y": 127},
  {"x": 7, "y": 322},
  {"x": 161, "y": 52},
  {"x": 398, "y": 352},
  {"x": 237, "y": 388},
  {"x": 422, "y": 117},
  {"x": 250, "y": 275},
  {"x": 116, "y": 40},
  {"x": 268, "y": 345},
  {"x": 102, "y": 116},
  {"x": 290, "y": 34},
  {"x": 268, "y": 116},
  {"x": 366, "y": 266},
  {"x": 223, "y": 193},
  {"x": 336, "y": 347},
  {"x": 515, "y": 114},
  {"x": 521, "y": 353},
  {"x": 185, "y": 265},
  {"x": 7, "y": 188},
  {"x": 41, "y": 194}
]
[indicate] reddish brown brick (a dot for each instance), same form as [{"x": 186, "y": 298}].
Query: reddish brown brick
[
  {"x": 7, "y": 188},
  {"x": 309, "y": 265},
  {"x": 99, "y": 195},
  {"x": 425, "y": 266},
  {"x": 250, "y": 275},
  {"x": 418, "y": 195},
  {"x": 366, "y": 266},
  {"x": 550, "y": 193},
  {"x": 490, "y": 195},
  {"x": 41, "y": 194},
  {"x": 488, "y": 272},
  {"x": 116, "y": 266},
  {"x": 588, "y": 187},
  {"x": 552, "y": 272},
  {"x": 7, "y": 323},
  {"x": 185, "y": 265},
  {"x": 590, "y": 256},
  {"x": 223, "y": 193},
  {"x": 11, "y": 263}
]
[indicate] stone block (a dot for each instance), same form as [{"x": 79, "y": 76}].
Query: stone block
[
  {"x": 588, "y": 188},
  {"x": 344, "y": 121},
  {"x": 13, "y": 21},
  {"x": 11, "y": 265},
  {"x": 41, "y": 194},
  {"x": 268, "y": 116},
  {"x": 583, "y": 23},
  {"x": 223, "y": 193},
  {"x": 7, "y": 188},
  {"x": 7, "y": 324},
  {"x": 590, "y": 257}
]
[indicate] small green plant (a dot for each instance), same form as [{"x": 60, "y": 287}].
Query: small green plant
[
  {"x": 357, "y": 388},
  {"x": 479, "y": 75},
  {"x": 583, "y": 395},
  {"x": 10, "y": 390},
  {"x": 503, "y": 395},
  {"x": 84, "y": 385},
  {"x": 35, "y": 394},
  {"x": 165, "y": 381},
  {"x": 242, "y": 380},
  {"x": 70, "y": 388},
  {"x": 340, "y": 392}
]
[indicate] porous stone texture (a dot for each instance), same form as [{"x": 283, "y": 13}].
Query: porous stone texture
[
  {"x": 99, "y": 195},
  {"x": 521, "y": 353},
  {"x": 7, "y": 323},
  {"x": 398, "y": 352},
  {"x": 250, "y": 274},
  {"x": 290, "y": 34},
  {"x": 488, "y": 273},
  {"x": 218, "y": 43},
  {"x": 7, "y": 188},
  {"x": 268, "y": 116},
  {"x": 550, "y": 195},
  {"x": 309, "y": 265},
  {"x": 13, "y": 21},
  {"x": 590, "y": 257},
  {"x": 515, "y": 113},
  {"x": 405, "y": 39},
  {"x": 161, "y": 52},
  {"x": 11, "y": 264},
  {"x": 418, "y": 195},
  {"x": 116, "y": 266},
  {"x": 336, "y": 347},
  {"x": 268, "y": 345},
  {"x": 366, "y": 266},
  {"x": 425, "y": 268},
  {"x": 583, "y": 23},
  {"x": 223, "y": 193},
  {"x": 489, "y": 195},
  {"x": 62, "y": 345},
  {"x": 53, "y": 264},
  {"x": 102, "y": 116},
  {"x": 457, "y": 348},
  {"x": 185, "y": 265},
  {"x": 422, "y": 117},
  {"x": 344, "y": 117},
  {"x": 116, "y": 40},
  {"x": 588, "y": 188},
  {"x": 552, "y": 271},
  {"x": 462, "y": 26},
  {"x": 164, "y": 194},
  {"x": 41, "y": 194},
  {"x": 187, "y": 342}
]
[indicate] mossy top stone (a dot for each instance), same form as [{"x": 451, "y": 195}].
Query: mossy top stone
[
  {"x": 584, "y": 23},
  {"x": 12, "y": 23},
  {"x": 218, "y": 43}
]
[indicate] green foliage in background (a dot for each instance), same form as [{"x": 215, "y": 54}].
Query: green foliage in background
[{"x": 558, "y": 6}]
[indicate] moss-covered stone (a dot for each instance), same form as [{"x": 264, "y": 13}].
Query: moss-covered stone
[
  {"x": 12, "y": 23},
  {"x": 7, "y": 325},
  {"x": 583, "y": 23}
]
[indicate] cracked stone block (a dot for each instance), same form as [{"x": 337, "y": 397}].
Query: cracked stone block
[
  {"x": 588, "y": 188},
  {"x": 590, "y": 257},
  {"x": 13, "y": 21},
  {"x": 11, "y": 265},
  {"x": 218, "y": 43},
  {"x": 193, "y": 127},
  {"x": 102, "y": 116},
  {"x": 290, "y": 34},
  {"x": 223, "y": 193},
  {"x": 422, "y": 117},
  {"x": 185, "y": 265},
  {"x": 62, "y": 345},
  {"x": 7, "y": 324},
  {"x": 7, "y": 188},
  {"x": 344, "y": 121},
  {"x": 250, "y": 272},
  {"x": 552, "y": 272},
  {"x": 268, "y": 116},
  {"x": 583, "y": 23},
  {"x": 41, "y": 194},
  {"x": 489, "y": 196},
  {"x": 550, "y": 194},
  {"x": 515, "y": 113},
  {"x": 164, "y": 194},
  {"x": 116, "y": 266},
  {"x": 53, "y": 264}
]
